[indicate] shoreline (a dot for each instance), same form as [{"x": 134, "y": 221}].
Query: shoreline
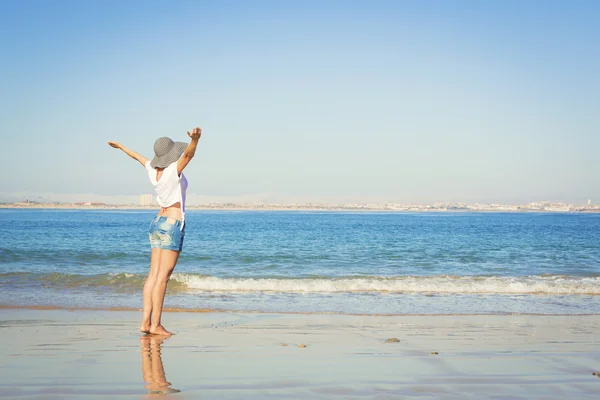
[
  {"x": 256, "y": 312},
  {"x": 109, "y": 207}
]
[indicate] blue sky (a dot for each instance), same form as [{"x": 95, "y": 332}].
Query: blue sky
[{"x": 404, "y": 101}]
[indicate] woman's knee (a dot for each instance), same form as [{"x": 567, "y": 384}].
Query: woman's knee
[{"x": 164, "y": 276}]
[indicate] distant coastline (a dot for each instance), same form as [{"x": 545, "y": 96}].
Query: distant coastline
[{"x": 388, "y": 207}]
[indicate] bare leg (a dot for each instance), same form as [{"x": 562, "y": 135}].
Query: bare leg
[
  {"x": 168, "y": 259},
  {"x": 148, "y": 286}
]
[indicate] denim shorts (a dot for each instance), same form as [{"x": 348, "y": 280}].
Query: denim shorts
[{"x": 166, "y": 233}]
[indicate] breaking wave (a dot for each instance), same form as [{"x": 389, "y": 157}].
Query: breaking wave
[
  {"x": 183, "y": 282},
  {"x": 550, "y": 285},
  {"x": 545, "y": 284}
]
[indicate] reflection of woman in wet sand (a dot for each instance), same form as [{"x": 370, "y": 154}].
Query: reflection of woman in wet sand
[
  {"x": 152, "y": 367},
  {"x": 167, "y": 230}
]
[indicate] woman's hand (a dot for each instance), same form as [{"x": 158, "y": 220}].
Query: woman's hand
[
  {"x": 116, "y": 145},
  {"x": 196, "y": 133}
]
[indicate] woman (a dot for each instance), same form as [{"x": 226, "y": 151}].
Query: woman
[{"x": 168, "y": 228}]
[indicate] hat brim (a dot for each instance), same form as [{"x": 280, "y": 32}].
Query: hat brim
[{"x": 171, "y": 156}]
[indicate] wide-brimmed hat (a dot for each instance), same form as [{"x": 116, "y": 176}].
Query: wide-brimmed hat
[{"x": 166, "y": 152}]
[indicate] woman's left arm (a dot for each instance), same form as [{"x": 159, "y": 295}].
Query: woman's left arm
[{"x": 189, "y": 152}]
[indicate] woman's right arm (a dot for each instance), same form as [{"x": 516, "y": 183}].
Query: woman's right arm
[{"x": 136, "y": 156}]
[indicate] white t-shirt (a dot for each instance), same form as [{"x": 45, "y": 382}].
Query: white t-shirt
[{"x": 170, "y": 188}]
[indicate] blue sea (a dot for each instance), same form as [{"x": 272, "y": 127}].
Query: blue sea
[{"x": 332, "y": 262}]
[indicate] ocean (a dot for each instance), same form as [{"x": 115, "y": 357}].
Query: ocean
[{"x": 305, "y": 262}]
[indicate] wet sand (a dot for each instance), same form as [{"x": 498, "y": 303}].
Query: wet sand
[{"x": 86, "y": 354}]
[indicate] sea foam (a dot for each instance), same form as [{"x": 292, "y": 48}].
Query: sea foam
[{"x": 551, "y": 285}]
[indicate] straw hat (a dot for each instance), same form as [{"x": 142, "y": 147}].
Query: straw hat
[{"x": 166, "y": 152}]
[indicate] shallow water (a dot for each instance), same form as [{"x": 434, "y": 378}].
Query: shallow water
[{"x": 384, "y": 263}]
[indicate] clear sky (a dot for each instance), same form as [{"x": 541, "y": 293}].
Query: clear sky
[{"x": 404, "y": 101}]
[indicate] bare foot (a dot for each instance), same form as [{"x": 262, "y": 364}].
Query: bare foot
[
  {"x": 145, "y": 328},
  {"x": 159, "y": 330}
]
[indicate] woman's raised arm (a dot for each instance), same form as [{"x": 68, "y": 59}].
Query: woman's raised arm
[
  {"x": 130, "y": 153},
  {"x": 188, "y": 154}
]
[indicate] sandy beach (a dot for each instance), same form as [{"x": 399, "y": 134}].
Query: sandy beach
[{"x": 58, "y": 354}]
